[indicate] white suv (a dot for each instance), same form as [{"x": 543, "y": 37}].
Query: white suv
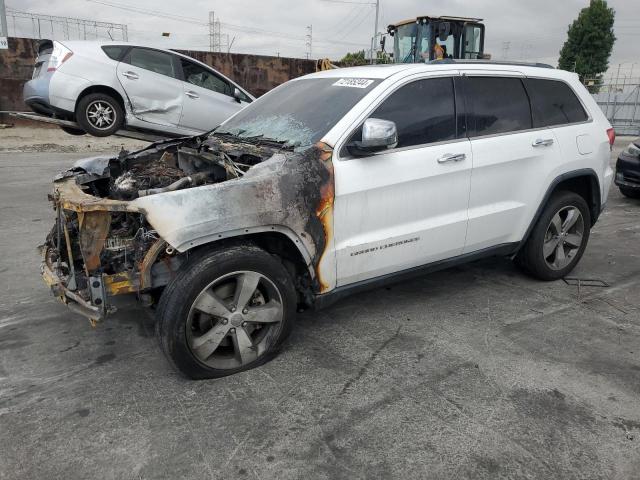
[{"x": 331, "y": 183}]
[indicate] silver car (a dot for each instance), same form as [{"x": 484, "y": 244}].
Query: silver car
[{"x": 107, "y": 86}]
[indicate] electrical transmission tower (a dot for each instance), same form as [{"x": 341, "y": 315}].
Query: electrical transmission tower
[
  {"x": 215, "y": 33},
  {"x": 309, "y": 41}
]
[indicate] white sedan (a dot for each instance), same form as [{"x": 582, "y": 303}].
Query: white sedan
[{"x": 106, "y": 86}]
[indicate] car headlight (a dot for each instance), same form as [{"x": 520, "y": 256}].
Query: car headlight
[{"x": 632, "y": 150}]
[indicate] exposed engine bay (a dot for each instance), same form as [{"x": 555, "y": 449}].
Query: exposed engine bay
[{"x": 176, "y": 164}]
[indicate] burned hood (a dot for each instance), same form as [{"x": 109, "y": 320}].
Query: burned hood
[{"x": 285, "y": 191}]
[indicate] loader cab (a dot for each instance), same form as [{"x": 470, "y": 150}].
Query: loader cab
[{"x": 414, "y": 41}]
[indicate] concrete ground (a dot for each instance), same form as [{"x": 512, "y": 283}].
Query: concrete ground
[
  {"x": 474, "y": 372},
  {"x": 30, "y": 138}
]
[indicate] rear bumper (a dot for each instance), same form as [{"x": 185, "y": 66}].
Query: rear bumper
[
  {"x": 36, "y": 94},
  {"x": 37, "y": 89}
]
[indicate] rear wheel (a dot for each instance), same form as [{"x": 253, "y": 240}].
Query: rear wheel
[
  {"x": 630, "y": 192},
  {"x": 99, "y": 114},
  {"x": 227, "y": 311},
  {"x": 558, "y": 239}
]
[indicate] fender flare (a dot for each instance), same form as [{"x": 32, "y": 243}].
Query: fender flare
[{"x": 594, "y": 202}]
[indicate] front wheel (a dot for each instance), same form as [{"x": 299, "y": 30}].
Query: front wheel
[
  {"x": 228, "y": 310},
  {"x": 99, "y": 114},
  {"x": 558, "y": 239}
]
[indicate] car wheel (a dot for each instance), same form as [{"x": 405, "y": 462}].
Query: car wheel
[
  {"x": 630, "y": 192},
  {"x": 558, "y": 239},
  {"x": 99, "y": 114},
  {"x": 226, "y": 311},
  {"x": 73, "y": 131}
]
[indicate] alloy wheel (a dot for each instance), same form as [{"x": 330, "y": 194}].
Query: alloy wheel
[
  {"x": 101, "y": 115},
  {"x": 563, "y": 238},
  {"x": 234, "y": 319}
]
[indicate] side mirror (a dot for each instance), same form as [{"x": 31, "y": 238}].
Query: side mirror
[
  {"x": 377, "y": 135},
  {"x": 237, "y": 95}
]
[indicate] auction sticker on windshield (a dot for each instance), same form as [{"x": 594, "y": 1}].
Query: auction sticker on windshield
[{"x": 353, "y": 82}]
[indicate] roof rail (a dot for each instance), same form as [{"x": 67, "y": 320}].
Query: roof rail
[{"x": 488, "y": 62}]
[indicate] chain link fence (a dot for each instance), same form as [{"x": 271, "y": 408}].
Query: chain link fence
[{"x": 619, "y": 99}]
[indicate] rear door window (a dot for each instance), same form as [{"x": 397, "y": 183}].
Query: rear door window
[
  {"x": 152, "y": 60},
  {"x": 201, "y": 77},
  {"x": 424, "y": 111},
  {"x": 553, "y": 103},
  {"x": 500, "y": 105}
]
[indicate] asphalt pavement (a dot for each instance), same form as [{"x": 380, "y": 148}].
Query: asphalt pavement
[{"x": 473, "y": 372}]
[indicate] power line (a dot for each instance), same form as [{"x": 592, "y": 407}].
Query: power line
[{"x": 146, "y": 11}]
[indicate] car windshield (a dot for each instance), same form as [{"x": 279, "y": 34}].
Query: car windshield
[{"x": 299, "y": 112}]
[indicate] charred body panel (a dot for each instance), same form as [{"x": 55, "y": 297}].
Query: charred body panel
[{"x": 125, "y": 224}]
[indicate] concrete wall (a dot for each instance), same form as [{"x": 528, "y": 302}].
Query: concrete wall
[
  {"x": 258, "y": 74},
  {"x": 16, "y": 67}
]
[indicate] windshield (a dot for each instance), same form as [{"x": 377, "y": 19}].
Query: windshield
[
  {"x": 299, "y": 112},
  {"x": 404, "y": 40}
]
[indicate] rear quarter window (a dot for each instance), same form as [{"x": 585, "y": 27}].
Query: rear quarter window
[
  {"x": 554, "y": 103},
  {"x": 114, "y": 52}
]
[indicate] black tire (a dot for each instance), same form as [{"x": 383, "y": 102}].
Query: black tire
[
  {"x": 630, "y": 192},
  {"x": 176, "y": 313},
  {"x": 531, "y": 257},
  {"x": 112, "y": 110},
  {"x": 73, "y": 131}
]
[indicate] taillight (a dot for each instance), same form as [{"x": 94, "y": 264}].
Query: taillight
[
  {"x": 59, "y": 55},
  {"x": 611, "y": 133}
]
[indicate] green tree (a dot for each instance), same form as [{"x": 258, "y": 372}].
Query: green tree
[
  {"x": 354, "y": 59},
  {"x": 383, "y": 57},
  {"x": 589, "y": 42}
]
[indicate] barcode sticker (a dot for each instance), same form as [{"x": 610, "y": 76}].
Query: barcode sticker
[{"x": 353, "y": 82}]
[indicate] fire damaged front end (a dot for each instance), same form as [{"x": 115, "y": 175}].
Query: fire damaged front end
[{"x": 126, "y": 224}]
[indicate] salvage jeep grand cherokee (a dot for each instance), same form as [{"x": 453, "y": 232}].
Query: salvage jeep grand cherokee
[{"x": 330, "y": 183}]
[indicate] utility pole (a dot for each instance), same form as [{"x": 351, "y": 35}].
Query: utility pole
[
  {"x": 3, "y": 20},
  {"x": 309, "y": 42},
  {"x": 375, "y": 33}
]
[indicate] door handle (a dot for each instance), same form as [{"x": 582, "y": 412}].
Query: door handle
[
  {"x": 192, "y": 94},
  {"x": 130, "y": 75},
  {"x": 540, "y": 142},
  {"x": 452, "y": 157}
]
